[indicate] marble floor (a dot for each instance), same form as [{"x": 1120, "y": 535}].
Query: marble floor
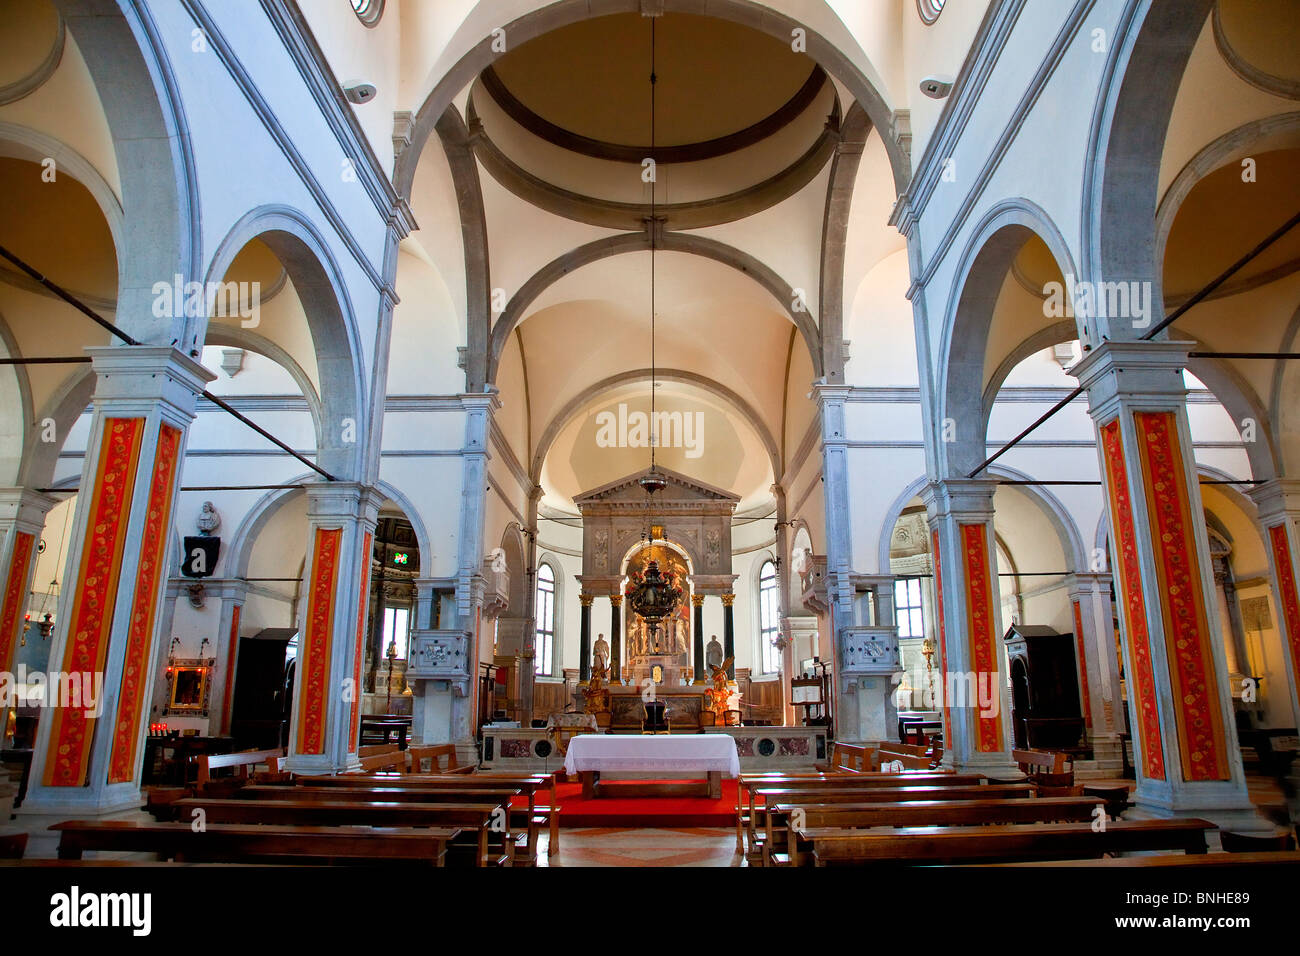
[{"x": 607, "y": 846}]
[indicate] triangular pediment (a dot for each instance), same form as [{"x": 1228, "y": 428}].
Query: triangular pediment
[{"x": 679, "y": 488}]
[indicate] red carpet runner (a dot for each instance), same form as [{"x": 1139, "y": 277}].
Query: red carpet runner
[{"x": 645, "y": 811}]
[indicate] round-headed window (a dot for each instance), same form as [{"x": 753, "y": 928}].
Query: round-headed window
[
  {"x": 929, "y": 9},
  {"x": 368, "y": 11}
]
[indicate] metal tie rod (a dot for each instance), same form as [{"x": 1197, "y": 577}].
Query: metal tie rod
[
  {"x": 1170, "y": 320},
  {"x": 100, "y": 320}
]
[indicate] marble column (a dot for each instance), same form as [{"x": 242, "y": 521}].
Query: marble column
[
  {"x": 88, "y": 758},
  {"x": 22, "y": 520},
  {"x": 1279, "y": 515},
  {"x": 323, "y": 728},
  {"x": 615, "y": 638},
  {"x": 697, "y": 645},
  {"x": 729, "y": 634},
  {"x": 584, "y": 638},
  {"x": 232, "y": 611},
  {"x": 1184, "y": 743},
  {"x": 976, "y": 702},
  {"x": 1098, "y": 667}
]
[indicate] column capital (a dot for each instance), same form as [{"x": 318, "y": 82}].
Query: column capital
[
  {"x": 585, "y": 599},
  {"x": 1118, "y": 371},
  {"x": 1277, "y": 499},
  {"x": 136, "y": 376},
  {"x": 968, "y": 497},
  {"x": 616, "y": 600},
  {"x": 697, "y": 600},
  {"x": 343, "y": 500},
  {"x": 728, "y": 600},
  {"x": 490, "y": 400},
  {"x": 26, "y": 508}
]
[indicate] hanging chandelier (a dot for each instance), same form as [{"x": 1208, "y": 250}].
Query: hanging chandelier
[
  {"x": 653, "y": 595},
  {"x": 652, "y": 481}
]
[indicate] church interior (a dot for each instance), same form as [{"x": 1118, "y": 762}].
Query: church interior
[{"x": 711, "y": 433}]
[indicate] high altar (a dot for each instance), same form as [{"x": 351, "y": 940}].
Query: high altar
[{"x": 685, "y": 529}]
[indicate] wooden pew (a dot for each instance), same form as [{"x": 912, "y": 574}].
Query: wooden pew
[
  {"x": 220, "y": 843},
  {"x": 745, "y": 820},
  {"x": 433, "y": 753},
  {"x": 920, "y": 813},
  {"x": 911, "y": 756},
  {"x": 1039, "y": 761},
  {"x": 532, "y": 784},
  {"x": 1042, "y": 841},
  {"x": 850, "y": 758},
  {"x": 390, "y": 759},
  {"x": 483, "y": 816},
  {"x": 242, "y": 762},
  {"x": 796, "y": 793}
]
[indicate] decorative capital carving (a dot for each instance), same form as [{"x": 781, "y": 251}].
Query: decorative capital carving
[
  {"x": 585, "y": 599},
  {"x": 728, "y": 600},
  {"x": 697, "y": 600},
  {"x": 616, "y": 600}
]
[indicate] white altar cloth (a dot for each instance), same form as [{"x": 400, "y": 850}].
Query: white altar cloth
[{"x": 714, "y": 753}]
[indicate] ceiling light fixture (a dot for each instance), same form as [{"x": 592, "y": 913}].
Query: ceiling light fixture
[{"x": 652, "y": 481}]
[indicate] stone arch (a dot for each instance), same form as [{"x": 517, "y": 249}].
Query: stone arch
[
  {"x": 1064, "y": 331},
  {"x": 512, "y": 543},
  {"x": 1067, "y": 530},
  {"x": 237, "y": 556},
  {"x": 579, "y": 401},
  {"x": 248, "y": 339},
  {"x": 1136, "y": 98},
  {"x": 1234, "y": 144},
  {"x": 64, "y": 407},
  {"x": 126, "y": 56},
  {"x": 307, "y": 259},
  {"x": 470, "y": 52},
  {"x": 14, "y": 449},
  {"x": 627, "y": 242},
  {"x": 422, "y": 539},
  {"x": 977, "y": 284}
]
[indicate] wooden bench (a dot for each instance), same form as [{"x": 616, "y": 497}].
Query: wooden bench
[
  {"x": 243, "y": 763},
  {"x": 920, "y": 813},
  {"x": 389, "y": 759},
  {"x": 745, "y": 819},
  {"x": 434, "y": 753},
  {"x": 911, "y": 756},
  {"x": 532, "y": 784},
  {"x": 1048, "y": 770},
  {"x": 484, "y": 817},
  {"x": 268, "y": 844},
  {"x": 1043, "y": 841},
  {"x": 850, "y": 758}
]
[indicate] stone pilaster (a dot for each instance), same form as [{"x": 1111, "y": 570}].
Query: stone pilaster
[
  {"x": 976, "y": 702},
  {"x": 323, "y": 729},
  {"x": 1098, "y": 667},
  {"x": 1184, "y": 743},
  {"x": 1279, "y": 516},
  {"x": 88, "y": 758},
  {"x": 22, "y": 519}
]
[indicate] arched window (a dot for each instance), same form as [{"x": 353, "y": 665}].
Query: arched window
[
  {"x": 929, "y": 9},
  {"x": 544, "y": 662},
  {"x": 769, "y": 618},
  {"x": 368, "y": 11}
]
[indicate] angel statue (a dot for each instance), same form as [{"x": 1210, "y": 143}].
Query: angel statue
[{"x": 719, "y": 694}]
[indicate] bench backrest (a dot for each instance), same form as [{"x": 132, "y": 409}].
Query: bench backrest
[
  {"x": 243, "y": 762},
  {"x": 434, "y": 753},
  {"x": 1039, "y": 761},
  {"x": 391, "y": 759},
  {"x": 852, "y": 757}
]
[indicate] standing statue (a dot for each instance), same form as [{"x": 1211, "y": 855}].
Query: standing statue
[
  {"x": 713, "y": 653},
  {"x": 600, "y": 653},
  {"x": 681, "y": 645}
]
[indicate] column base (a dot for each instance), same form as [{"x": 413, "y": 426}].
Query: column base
[
  {"x": 320, "y": 764},
  {"x": 75, "y": 802},
  {"x": 1228, "y": 812},
  {"x": 995, "y": 766}
]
